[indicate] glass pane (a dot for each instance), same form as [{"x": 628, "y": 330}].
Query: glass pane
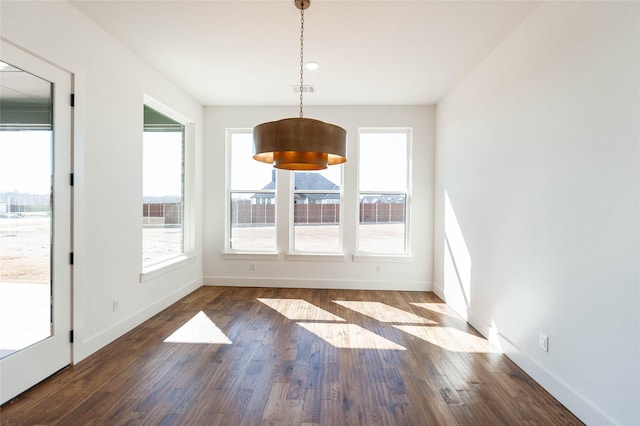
[
  {"x": 253, "y": 225},
  {"x": 317, "y": 222},
  {"x": 383, "y": 162},
  {"x": 26, "y": 241},
  {"x": 162, "y": 191},
  {"x": 324, "y": 180},
  {"x": 247, "y": 173},
  {"x": 382, "y": 226},
  {"x": 252, "y": 205}
]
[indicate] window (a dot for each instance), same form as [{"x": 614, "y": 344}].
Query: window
[
  {"x": 162, "y": 188},
  {"x": 383, "y": 189},
  {"x": 251, "y": 194},
  {"x": 315, "y": 200},
  {"x": 316, "y": 210}
]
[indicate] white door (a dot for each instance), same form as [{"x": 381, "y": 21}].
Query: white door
[{"x": 35, "y": 220}]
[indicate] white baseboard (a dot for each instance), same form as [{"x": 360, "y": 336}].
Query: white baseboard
[
  {"x": 560, "y": 390},
  {"x": 90, "y": 345},
  {"x": 452, "y": 300},
  {"x": 564, "y": 393},
  {"x": 438, "y": 290}
]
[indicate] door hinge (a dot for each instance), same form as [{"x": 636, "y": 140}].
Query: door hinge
[
  {"x": 70, "y": 336},
  {"x": 71, "y": 258},
  {"x": 73, "y": 99},
  {"x": 71, "y": 179}
]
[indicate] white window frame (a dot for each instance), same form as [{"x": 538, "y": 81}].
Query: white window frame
[
  {"x": 294, "y": 254},
  {"x": 188, "y": 216},
  {"x": 366, "y": 256},
  {"x": 284, "y": 217},
  {"x": 243, "y": 253}
]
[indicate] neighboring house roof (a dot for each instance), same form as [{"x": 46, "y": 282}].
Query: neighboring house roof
[
  {"x": 383, "y": 198},
  {"x": 369, "y": 199},
  {"x": 331, "y": 196},
  {"x": 315, "y": 181},
  {"x": 165, "y": 199},
  {"x": 305, "y": 180}
]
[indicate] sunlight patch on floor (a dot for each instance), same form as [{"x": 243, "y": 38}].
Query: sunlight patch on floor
[
  {"x": 299, "y": 310},
  {"x": 349, "y": 336},
  {"x": 384, "y": 313},
  {"x": 440, "y": 308},
  {"x": 450, "y": 339},
  {"x": 199, "y": 329}
]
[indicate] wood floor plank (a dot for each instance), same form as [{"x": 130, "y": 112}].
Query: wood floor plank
[{"x": 297, "y": 357}]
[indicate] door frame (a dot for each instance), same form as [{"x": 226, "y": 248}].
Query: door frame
[{"x": 24, "y": 369}]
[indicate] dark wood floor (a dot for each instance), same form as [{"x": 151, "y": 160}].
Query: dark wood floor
[{"x": 327, "y": 357}]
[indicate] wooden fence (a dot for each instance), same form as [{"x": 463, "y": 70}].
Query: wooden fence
[
  {"x": 162, "y": 213},
  {"x": 256, "y": 214}
]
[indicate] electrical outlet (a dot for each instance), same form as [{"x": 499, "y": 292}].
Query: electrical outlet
[
  {"x": 116, "y": 305},
  {"x": 252, "y": 266},
  {"x": 543, "y": 342},
  {"x": 378, "y": 269}
]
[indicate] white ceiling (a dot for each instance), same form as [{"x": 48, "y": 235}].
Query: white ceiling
[
  {"x": 20, "y": 87},
  {"x": 370, "y": 52}
]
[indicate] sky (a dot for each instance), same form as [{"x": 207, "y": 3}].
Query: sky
[
  {"x": 162, "y": 164},
  {"x": 25, "y": 162},
  {"x": 247, "y": 173},
  {"x": 383, "y": 161},
  {"x": 377, "y": 151}
]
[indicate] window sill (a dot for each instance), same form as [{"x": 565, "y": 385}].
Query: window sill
[
  {"x": 249, "y": 256},
  {"x": 158, "y": 269},
  {"x": 385, "y": 258},
  {"x": 316, "y": 257}
]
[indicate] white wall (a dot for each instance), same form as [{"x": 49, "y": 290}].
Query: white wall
[
  {"x": 110, "y": 85},
  {"x": 537, "y": 194},
  {"x": 415, "y": 274}
]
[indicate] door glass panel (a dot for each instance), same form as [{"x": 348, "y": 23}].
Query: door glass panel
[{"x": 26, "y": 211}]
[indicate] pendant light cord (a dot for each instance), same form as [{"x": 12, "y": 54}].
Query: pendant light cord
[{"x": 301, "y": 55}]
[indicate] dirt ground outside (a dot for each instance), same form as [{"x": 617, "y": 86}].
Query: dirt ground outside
[
  {"x": 25, "y": 250},
  {"x": 160, "y": 243},
  {"x": 387, "y": 238}
]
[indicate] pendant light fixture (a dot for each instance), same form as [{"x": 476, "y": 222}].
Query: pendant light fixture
[{"x": 300, "y": 143}]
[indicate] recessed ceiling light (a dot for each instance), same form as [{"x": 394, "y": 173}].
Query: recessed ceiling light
[{"x": 311, "y": 66}]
